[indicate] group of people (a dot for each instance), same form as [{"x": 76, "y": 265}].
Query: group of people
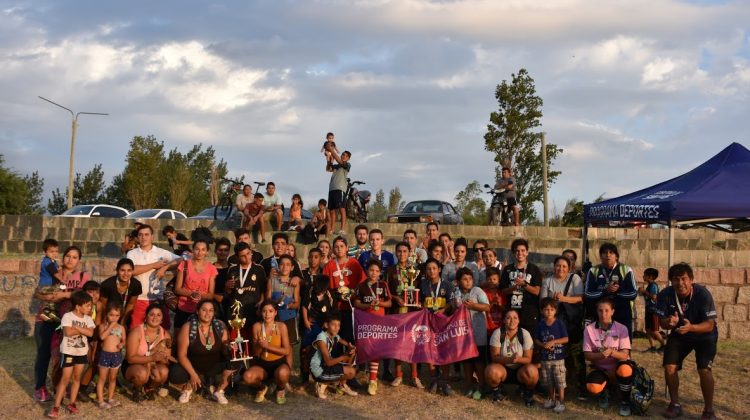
[{"x": 529, "y": 330}]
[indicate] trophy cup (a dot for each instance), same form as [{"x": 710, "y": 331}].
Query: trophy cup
[
  {"x": 240, "y": 346},
  {"x": 410, "y": 293}
]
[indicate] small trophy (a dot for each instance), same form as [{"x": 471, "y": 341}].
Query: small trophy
[
  {"x": 240, "y": 346},
  {"x": 410, "y": 293}
]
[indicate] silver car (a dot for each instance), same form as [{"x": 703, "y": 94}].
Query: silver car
[{"x": 425, "y": 211}]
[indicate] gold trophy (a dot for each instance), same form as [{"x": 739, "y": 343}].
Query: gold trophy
[
  {"x": 240, "y": 346},
  {"x": 410, "y": 293}
]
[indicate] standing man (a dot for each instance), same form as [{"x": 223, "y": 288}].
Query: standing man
[
  {"x": 432, "y": 233},
  {"x": 614, "y": 280},
  {"x": 361, "y": 235},
  {"x": 272, "y": 203},
  {"x": 521, "y": 283},
  {"x": 509, "y": 183},
  {"x": 343, "y": 272},
  {"x": 688, "y": 310},
  {"x": 376, "y": 252},
  {"x": 337, "y": 188},
  {"x": 279, "y": 243},
  {"x": 247, "y": 284},
  {"x": 417, "y": 255},
  {"x": 151, "y": 264},
  {"x": 460, "y": 250}
]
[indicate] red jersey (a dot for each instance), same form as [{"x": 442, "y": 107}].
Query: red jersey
[
  {"x": 497, "y": 309},
  {"x": 366, "y": 293},
  {"x": 350, "y": 274}
]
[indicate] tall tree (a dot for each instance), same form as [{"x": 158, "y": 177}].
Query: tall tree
[
  {"x": 377, "y": 210},
  {"x": 89, "y": 189},
  {"x": 58, "y": 203},
  {"x": 511, "y": 137},
  {"x": 471, "y": 206},
  {"x": 116, "y": 194},
  {"x": 394, "y": 201},
  {"x": 145, "y": 175},
  {"x": 35, "y": 189},
  {"x": 13, "y": 191}
]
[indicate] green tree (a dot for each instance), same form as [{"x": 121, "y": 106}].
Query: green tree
[
  {"x": 145, "y": 174},
  {"x": 58, "y": 203},
  {"x": 511, "y": 138},
  {"x": 35, "y": 189},
  {"x": 395, "y": 204},
  {"x": 471, "y": 206},
  {"x": 377, "y": 210},
  {"x": 116, "y": 195},
  {"x": 14, "y": 191},
  {"x": 89, "y": 189}
]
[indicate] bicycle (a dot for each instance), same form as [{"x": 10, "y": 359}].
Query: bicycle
[{"x": 225, "y": 207}]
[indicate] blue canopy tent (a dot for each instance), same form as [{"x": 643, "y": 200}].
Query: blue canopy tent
[{"x": 716, "y": 194}]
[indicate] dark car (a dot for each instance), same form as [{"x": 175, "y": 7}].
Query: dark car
[
  {"x": 425, "y": 211},
  {"x": 236, "y": 217}
]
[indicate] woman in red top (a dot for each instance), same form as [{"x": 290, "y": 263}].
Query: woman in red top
[
  {"x": 195, "y": 282},
  {"x": 345, "y": 274}
]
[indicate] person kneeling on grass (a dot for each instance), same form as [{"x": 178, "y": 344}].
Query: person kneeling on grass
[
  {"x": 374, "y": 297},
  {"x": 272, "y": 352},
  {"x": 606, "y": 344},
  {"x": 332, "y": 361},
  {"x": 202, "y": 350},
  {"x": 77, "y": 328},
  {"x": 511, "y": 348},
  {"x": 551, "y": 336}
]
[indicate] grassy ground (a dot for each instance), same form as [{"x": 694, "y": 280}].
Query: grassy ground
[{"x": 731, "y": 370}]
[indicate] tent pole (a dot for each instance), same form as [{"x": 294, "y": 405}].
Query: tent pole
[{"x": 670, "y": 257}]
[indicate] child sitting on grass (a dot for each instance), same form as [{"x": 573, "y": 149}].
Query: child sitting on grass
[
  {"x": 330, "y": 363},
  {"x": 77, "y": 327},
  {"x": 112, "y": 338}
]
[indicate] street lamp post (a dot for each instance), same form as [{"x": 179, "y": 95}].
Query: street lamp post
[{"x": 74, "y": 117}]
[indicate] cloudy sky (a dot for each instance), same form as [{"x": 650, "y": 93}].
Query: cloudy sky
[{"x": 635, "y": 91}]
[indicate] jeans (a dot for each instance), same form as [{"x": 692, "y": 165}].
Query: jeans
[{"x": 43, "y": 337}]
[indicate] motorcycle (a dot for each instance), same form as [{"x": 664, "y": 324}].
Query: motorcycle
[
  {"x": 356, "y": 201},
  {"x": 500, "y": 212}
]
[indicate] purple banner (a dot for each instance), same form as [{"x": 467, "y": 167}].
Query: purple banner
[{"x": 419, "y": 337}]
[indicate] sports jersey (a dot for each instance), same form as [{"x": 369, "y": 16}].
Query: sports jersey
[{"x": 696, "y": 308}]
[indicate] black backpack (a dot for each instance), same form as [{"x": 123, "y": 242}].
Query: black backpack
[
  {"x": 202, "y": 233},
  {"x": 519, "y": 335},
  {"x": 643, "y": 390}
]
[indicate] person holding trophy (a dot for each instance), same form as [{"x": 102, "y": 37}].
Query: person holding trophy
[{"x": 270, "y": 350}]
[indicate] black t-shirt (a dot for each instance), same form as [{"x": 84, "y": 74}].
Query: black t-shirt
[
  {"x": 256, "y": 257},
  {"x": 318, "y": 308},
  {"x": 267, "y": 263},
  {"x": 221, "y": 280},
  {"x": 248, "y": 293},
  {"x": 109, "y": 291},
  {"x": 698, "y": 308},
  {"x": 526, "y": 303},
  {"x": 307, "y": 280},
  {"x": 179, "y": 249}
]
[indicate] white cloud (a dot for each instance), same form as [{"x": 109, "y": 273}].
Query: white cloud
[{"x": 616, "y": 136}]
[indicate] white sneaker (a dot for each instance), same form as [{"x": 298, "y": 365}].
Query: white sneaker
[
  {"x": 220, "y": 398},
  {"x": 162, "y": 392},
  {"x": 348, "y": 391},
  {"x": 417, "y": 383},
  {"x": 549, "y": 404},
  {"x": 320, "y": 390},
  {"x": 559, "y": 407},
  {"x": 185, "y": 396},
  {"x": 397, "y": 381}
]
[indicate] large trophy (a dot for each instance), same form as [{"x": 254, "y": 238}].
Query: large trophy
[
  {"x": 406, "y": 289},
  {"x": 240, "y": 346}
]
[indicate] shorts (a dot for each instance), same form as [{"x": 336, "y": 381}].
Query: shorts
[
  {"x": 336, "y": 200},
  {"x": 293, "y": 330},
  {"x": 512, "y": 201},
  {"x": 652, "y": 322},
  {"x": 512, "y": 376},
  {"x": 482, "y": 357},
  {"x": 270, "y": 367},
  {"x": 677, "y": 348},
  {"x": 330, "y": 373},
  {"x": 552, "y": 374},
  {"x": 110, "y": 359},
  {"x": 311, "y": 335},
  {"x": 67, "y": 360}
]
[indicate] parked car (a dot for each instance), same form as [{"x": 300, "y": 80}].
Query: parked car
[
  {"x": 425, "y": 211},
  {"x": 156, "y": 214},
  {"x": 95, "y": 210},
  {"x": 208, "y": 214}
]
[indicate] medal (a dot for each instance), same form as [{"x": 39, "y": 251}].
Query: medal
[
  {"x": 240, "y": 291},
  {"x": 323, "y": 309},
  {"x": 341, "y": 283}
]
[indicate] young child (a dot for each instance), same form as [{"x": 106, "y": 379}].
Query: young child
[
  {"x": 435, "y": 295},
  {"x": 329, "y": 145},
  {"x": 330, "y": 363},
  {"x": 374, "y": 297},
  {"x": 88, "y": 392},
  {"x": 254, "y": 215},
  {"x": 77, "y": 326},
  {"x": 652, "y": 319},
  {"x": 475, "y": 300},
  {"x": 320, "y": 218},
  {"x": 551, "y": 336},
  {"x": 295, "y": 213},
  {"x": 496, "y": 298},
  {"x": 50, "y": 279},
  {"x": 112, "y": 337},
  {"x": 317, "y": 304}
]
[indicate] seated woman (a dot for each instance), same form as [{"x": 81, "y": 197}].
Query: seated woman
[
  {"x": 202, "y": 350},
  {"x": 606, "y": 344},
  {"x": 295, "y": 213},
  {"x": 511, "y": 348},
  {"x": 270, "y": 350},
  {"x": 148, "y": 354}
]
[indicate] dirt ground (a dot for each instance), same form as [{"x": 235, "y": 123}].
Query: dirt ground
[{"x": 731, "y": 370}]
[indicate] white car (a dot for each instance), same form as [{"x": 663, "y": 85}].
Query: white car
[
  {"x": 95, "y": 210},
  {"x": 156, "y": 214}
]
